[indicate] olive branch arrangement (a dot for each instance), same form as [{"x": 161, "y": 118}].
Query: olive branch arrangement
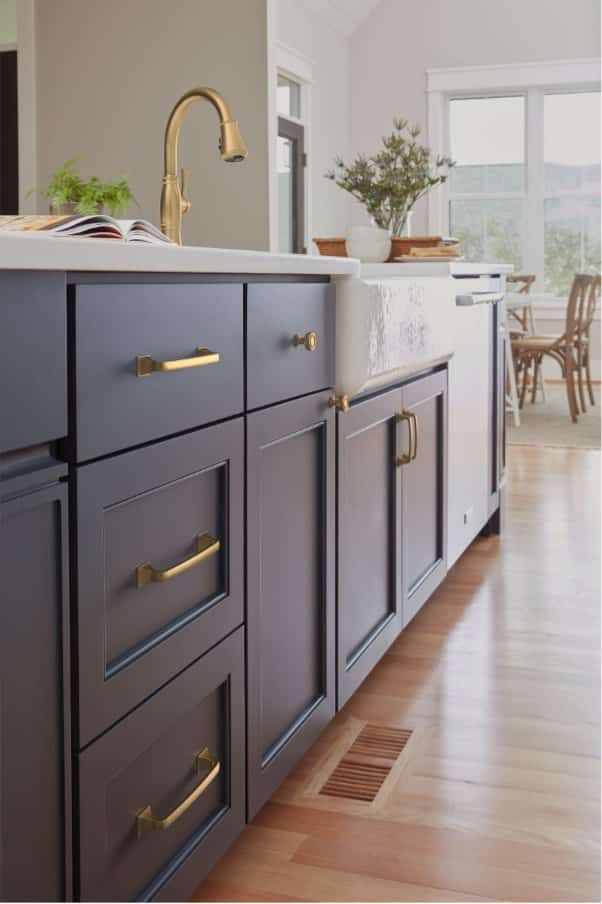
[{"x": 390, "y": 182}]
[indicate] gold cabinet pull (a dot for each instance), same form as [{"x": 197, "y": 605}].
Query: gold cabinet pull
[
  {"x": 146, "y": 822},
  {"x": 206, "y": 546},
  {"x": 146, "y": 365},
  {"x": 341, "y": 403},
  {"x": 406, "y": 457},
  {"x": 309, "y": 341},
  {"x": 415, "y": 424}
]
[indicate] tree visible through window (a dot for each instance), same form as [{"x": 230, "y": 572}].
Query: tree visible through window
[
  {"x": 540, "y": 214},
  {"x": 487, "y": 185},
  {"x": 571, "y": 152}
]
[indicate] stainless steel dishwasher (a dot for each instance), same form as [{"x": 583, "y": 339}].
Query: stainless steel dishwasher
[{"x": 472, "y": 385}]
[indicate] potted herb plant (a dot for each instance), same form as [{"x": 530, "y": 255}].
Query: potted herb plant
[
  {"x": 68, "y": 193},
  {"x": 388, "y": 184}
]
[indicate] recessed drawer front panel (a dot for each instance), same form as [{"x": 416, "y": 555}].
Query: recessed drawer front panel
[
  {"x": 290, "y": 341},
  {"x": 153, "y": 360},
  {"x": 160, "y": 564},
  {"x": 161, "y": 795}
]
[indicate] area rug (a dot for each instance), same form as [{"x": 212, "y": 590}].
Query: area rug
[{"x": 548, "y": 423}]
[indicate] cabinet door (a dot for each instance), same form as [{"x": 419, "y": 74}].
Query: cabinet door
[
  {"x": 290, "y": 590},
  {"x": 369, "y": 614},
  {"x": 34, "y": 806},
  {"x": 424, "y": 492}
]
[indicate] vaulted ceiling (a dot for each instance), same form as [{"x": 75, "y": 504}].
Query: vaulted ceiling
[{"x": 344, "y": 16}]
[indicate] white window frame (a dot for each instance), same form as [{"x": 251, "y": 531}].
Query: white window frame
[
  {"x": 298, "y": 68},
  {"x": 532, "y": 81}
]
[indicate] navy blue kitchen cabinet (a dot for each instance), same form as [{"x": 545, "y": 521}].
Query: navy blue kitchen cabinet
[{"x": 202, "y": 559}]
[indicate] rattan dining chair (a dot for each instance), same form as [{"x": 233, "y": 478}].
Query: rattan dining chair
[{"x": 571, "y": 350}]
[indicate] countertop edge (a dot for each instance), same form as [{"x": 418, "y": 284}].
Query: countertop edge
[{"x": 36, "y": 252}]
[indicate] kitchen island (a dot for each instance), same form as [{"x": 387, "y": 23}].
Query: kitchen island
[{"x": 188, "y": 463}]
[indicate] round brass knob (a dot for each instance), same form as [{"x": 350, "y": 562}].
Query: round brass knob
[{"x": 309, "y": 341}]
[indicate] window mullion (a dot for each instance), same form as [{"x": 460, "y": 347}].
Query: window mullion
[{"x": 535, "y": 187}]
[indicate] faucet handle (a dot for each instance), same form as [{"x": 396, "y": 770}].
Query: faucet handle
[{"x": 184, "y": 190}]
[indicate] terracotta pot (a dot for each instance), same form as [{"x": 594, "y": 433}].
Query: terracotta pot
[
  {"x": 401, "y": 244},
  {"x": 334, "y": 247}
]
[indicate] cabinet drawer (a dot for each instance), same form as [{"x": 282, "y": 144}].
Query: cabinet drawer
[
  {"x": 122, "y": 331},
  {"x": 277, "y": 369},
  {"x": 33, "y": 359},
  {"x": 149, "y": 764},
  {"x": 160, "y": 566}
]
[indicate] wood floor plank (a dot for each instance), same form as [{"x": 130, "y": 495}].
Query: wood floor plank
[{"x": 497, "y": 793}]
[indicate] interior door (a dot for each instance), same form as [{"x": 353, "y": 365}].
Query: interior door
[
  {"x": 291, "y": 187},
  {"x": 9, "y": 159}
]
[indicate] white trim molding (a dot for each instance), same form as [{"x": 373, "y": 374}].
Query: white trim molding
[
  {"x": 531, "y": 80},
  {"x": 297, "y": 66},
  {"x": 294, "y": 63},
  {"x": 556, "y": 73}
]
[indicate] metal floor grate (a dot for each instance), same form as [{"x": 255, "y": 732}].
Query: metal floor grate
[{"x": 363, "y": 769}]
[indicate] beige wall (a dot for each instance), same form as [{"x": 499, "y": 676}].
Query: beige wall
[
  {"x": 108, "y": 74},
  {"x": 394, "y": 46},
  {"x": 8, "y": 22}
]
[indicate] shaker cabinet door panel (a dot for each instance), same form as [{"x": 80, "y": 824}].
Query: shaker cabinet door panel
[
  {"x": 369, "y": 537},
  {"x": 160, "y": 566},
  {"x": 34, "y": 820},
  {"x": 424, "y": 489},
  {"x": 290, "y": 618},
  {"x": 161, "y": 795}
]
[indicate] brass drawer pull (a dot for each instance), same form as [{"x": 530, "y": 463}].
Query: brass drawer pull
[
  {"x": 415, "y": 423},
  {"x": 146, "y": 822},
  {"x": 309, "y": 341},
  {"x": 146, "y": 365},
  {"x": 206, "y": 546},
  {"x": 406, "y": 457}
]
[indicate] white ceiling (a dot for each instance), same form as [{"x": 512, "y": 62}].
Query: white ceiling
[{"x": 344, "y": 16}]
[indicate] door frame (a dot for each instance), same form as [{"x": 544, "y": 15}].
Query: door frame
[{"x": 295, "y": 133}]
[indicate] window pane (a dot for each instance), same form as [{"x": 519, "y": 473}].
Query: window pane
[
  {"x": 288, "y": 100},
  {"x": 487, "y": 141},
  {"x": 489, "y": 230},
  {"x": 572, "y": 240},
  {"x": 572, "y": 142},
  {"x": 286, "y": 228}
]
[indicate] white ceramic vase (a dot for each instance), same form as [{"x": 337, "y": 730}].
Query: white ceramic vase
[{"x": 370, "y": 243}]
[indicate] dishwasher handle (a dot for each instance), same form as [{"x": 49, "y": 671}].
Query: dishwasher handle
[{"x": 465, "y": 301}]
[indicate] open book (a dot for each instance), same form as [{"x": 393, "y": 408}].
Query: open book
[{"x": 97, "y": 226}]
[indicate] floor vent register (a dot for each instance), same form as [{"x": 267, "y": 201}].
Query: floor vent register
[{"x": 361, "y": 772}]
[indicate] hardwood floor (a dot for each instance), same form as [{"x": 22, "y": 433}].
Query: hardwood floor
[{"x": 497, "y": 793}]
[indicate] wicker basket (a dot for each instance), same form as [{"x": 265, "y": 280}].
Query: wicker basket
[
  {"x": 332, "y": 247},
  {"x": 401, "y": 244}
]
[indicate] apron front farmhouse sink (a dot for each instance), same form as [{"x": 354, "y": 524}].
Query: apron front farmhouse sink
[{"x": 389, "y": 327}]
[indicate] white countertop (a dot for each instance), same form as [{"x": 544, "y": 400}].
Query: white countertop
[
  {"x": 432, "y": 268},
  {"x": 43, "y": 252}
]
